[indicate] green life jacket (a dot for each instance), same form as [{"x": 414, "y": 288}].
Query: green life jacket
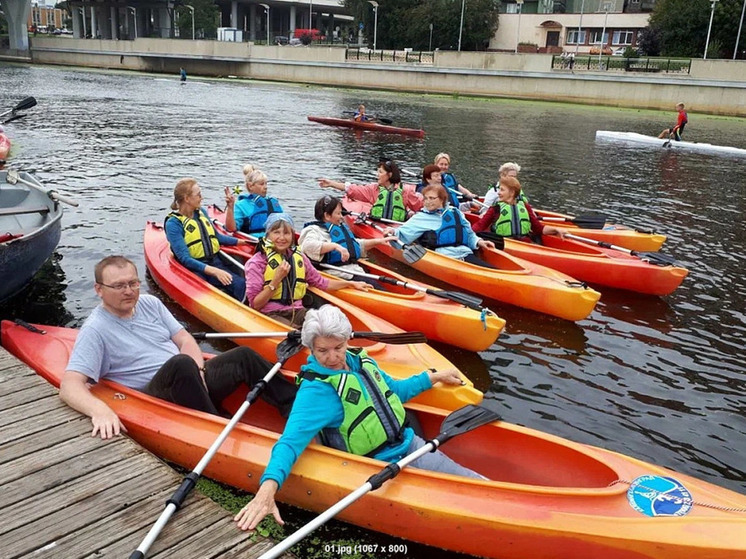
[
  {"x": 389, "y": 205},
  {"x": 512, "y": 221},
  {"x": 373, "y": 414}
]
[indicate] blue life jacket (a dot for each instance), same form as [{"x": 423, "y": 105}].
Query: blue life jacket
[
  {"x": 451, "y": 185},
  {"x": 453, "y": 230},
  {"x": 341, "y": 235},
  {"x": 262, "y": 208}
]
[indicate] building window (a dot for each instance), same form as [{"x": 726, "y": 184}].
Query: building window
[
  {"x": 511, "y": 8},
  {"x": 574, "y": 36},
  {"x": 595, "y": 35},
  {"x": 623, "y": 37}
]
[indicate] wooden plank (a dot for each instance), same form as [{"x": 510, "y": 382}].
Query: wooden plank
[
  {"x": 9, "y": 361},
  {"x": 47, "y": 437},
  {"x": 48, "y": 457},
  {"x": 68, "y": 494},
  {"x": 32, "y": 394},
  {"x": 249, "y": 549},
  {"x": 212, "y": 541},
  {"x": 25, "y": 407},
  {"x": 29, "y": 426},
  {"x": 10, "y": 383},
  {"x": 34, "y": 526},
  {"x": 74, "y": 467}
]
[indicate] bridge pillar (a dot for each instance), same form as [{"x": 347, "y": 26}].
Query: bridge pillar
[{"x": 16, "y": 14}]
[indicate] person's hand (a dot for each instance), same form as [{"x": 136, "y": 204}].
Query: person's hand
[
  {"x": 360, "y": 285},
  {"x": 325, "y": 183},
  {"x": 385, "y": 239},
  {"x": 260, "y": 506},
  {"x": 222, "y": 276},
  {"x": 106, "y": 424},
  {"x": 468, "y": 193},
  {"x": 344, "y": 253},
  {"x": 282, "y": 271},
  {"x": 481, "y": 243},
  {"x": 389, "y": 232},
  {"x": 230, "y": 198},
  {"x": 449, "y": 376}
]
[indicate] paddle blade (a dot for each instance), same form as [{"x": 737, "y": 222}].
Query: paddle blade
[
  {"x": 461, "y": 298},
  {"x": 289, "y": 347},
  {"x": 656, "y": 258},
  {"x": 384, "y": 120},
  {"x": 14, "y": 117},
  {"x": 591, "y": 221},
  {"x": 413, "y": 253},
  {"x": 464, "y": 420},
  {"x": 400, "y": 338},
  {"x": 27, "y": 103},
  {"x": 497, "y": 240}
]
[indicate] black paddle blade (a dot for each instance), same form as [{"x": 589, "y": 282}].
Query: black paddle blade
[
  {"x": 401, "y": 338},
  {"x": 497, "y": 240},
  {"x": 464, "y": 420},
  {"x": 413, "y": 253},
  {"x": 384, "y": 120},
  {"x": 288, "y": 347},
  {"x": 655, "y": 258},
  {"x": 470, "y": 301},
  {"x": 591, "y": 221},
  {"x": 27, "y": 103},
  {"x": 14, "y": 117}
]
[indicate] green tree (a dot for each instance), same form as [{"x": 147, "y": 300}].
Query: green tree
[
  {"x": 205, "y": 19},
  {"x": 682, "y": 26},
  {"x": 406, "y": 23}
]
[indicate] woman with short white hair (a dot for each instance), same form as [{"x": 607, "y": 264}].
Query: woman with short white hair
[
  {"x": 508, "y": 169},
  {"x": 352, "y": 405}
]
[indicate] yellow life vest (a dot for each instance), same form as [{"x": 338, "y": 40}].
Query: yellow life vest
[
  {"x": 294, "y": 286},
  {"x": 199, "y": 235}
]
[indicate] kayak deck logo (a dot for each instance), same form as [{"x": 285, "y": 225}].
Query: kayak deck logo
[{"x": 659, "y": 496}]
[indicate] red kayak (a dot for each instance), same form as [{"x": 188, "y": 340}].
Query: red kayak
[
  {"x": 349, "y": 123},
  {"x": 4, "y": 148}
]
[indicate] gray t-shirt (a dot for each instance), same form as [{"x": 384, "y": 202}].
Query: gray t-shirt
[{"x": 126, "y": 350}]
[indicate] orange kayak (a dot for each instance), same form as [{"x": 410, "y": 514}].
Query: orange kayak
[
  {"x": 224, "y": 314},
  {"x": 439, "y": 319},
  {"x": 546, "y": 497},
  {"x": 602, "y": 266},
  {"x": 515, "y": 281},
  {"x": 621, "y": 235}
]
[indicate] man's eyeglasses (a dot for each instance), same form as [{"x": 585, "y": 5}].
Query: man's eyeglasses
[{"x": 134, "y": 285}]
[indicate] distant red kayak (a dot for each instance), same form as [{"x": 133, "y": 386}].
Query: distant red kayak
[{"x": 349, "y": 123}]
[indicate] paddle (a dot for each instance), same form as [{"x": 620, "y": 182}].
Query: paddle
[
  {"x": 380, "y": 119},
  {"x": 398, "y": 338},
  {"x": 462, "y": 298},
  {"x": 667, "y": 143},
  {"x": 652, "y": 257},
  {"x": 411, "y": 253},
  {"x": 285, "y": 350},
  {"x": 12, "y": 177},
  {"x": 26, "y": 103},
  {"x": 588, "y": 221},
  {"x": 457, "y": 423},
  {"x": 22, "y": 211}
]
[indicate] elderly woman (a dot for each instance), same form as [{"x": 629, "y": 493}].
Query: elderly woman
[
  {"x": 512, "y": 216},
  {"x": 387, "y": 198},
  {"x": 250, "y": 211},
  {"x": 508, "y": 169},
  {"x": 442, "y": 228},
  {"x": 338, "y": 386},
  {"x": 329, "y": 240},
  {"x": 449, "y": 181},
  {"x": 278, "y": 274},
  {"x": 196, "y": 244}
]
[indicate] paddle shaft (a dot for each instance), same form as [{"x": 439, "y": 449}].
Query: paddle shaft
[
  {"x": 12, "y": 177},
  {"x": 600, "y": 243},
  {"x": 374, "y": 482},
  {"x": 190, "y": 480},
  {"x": 402, "y": 338},
  {"x": 651, "y": 257}
]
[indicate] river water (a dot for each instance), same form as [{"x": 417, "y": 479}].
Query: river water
[{"x": 661, "y": 379}]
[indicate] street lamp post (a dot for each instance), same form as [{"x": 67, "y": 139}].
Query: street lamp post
[
  {"x": 85, "y": 31},
  {"x": 709, "y": 27},
  {"x": 134, "y": 18},
  {"x": 266, "y": 7},
  {"x": 375, "y": 22},
  {"x": 310, "y": 14},
  {"x": 601, "y": 42},
  {"x": 431, "y": 38},
  {"x": 580, "y": 27},
  {"x": 518, "y": 31},
  {"x": 740, "y": 26},
  {"x": 461, "y": 25},
  {"x": 192, "y": 10}
]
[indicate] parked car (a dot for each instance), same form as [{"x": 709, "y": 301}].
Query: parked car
[
  {"x": 281, "y": 40},
  {"x": 619, "y": 51}
]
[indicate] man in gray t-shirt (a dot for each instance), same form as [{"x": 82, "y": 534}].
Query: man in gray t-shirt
[{"x": 135, "y": 341}]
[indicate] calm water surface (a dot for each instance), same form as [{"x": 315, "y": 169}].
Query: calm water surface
[{"x": 661, "y": 379}]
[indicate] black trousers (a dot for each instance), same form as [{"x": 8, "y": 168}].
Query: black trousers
[{"x": 178, "y": 381}]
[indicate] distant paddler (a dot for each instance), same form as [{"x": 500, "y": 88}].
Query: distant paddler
[{"x": 674, "y": 133}]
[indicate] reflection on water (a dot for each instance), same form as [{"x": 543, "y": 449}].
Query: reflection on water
[{"x": 660, "y": 379}]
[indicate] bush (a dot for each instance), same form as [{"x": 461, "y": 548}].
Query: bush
[
  {"x": 306, "y": 38},
  {"x": 629, "y": 52}
]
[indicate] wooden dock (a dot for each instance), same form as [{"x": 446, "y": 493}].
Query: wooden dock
[{"x": 65, "y": 494}]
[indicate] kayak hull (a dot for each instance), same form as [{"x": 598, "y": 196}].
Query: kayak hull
[
  {"x": 374, "y": 126},
  {"x": 633, "y": 138},
  {"x": 602, "y": 266},
  {"x": 549, "y": 498},
  {"x": 225, "y": 314},
  {"x": 440, "y": 319},
  {"x": 517, "y": 282}
]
